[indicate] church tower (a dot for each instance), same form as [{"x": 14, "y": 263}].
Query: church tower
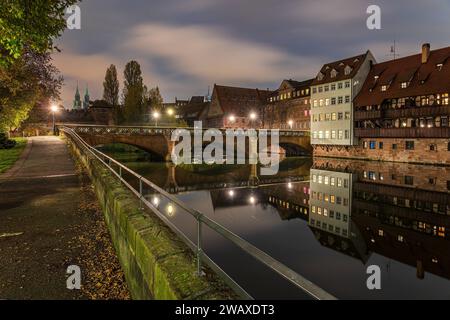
[
  {"x": 86, "y": 99},
  {"x": 77, "y": 101}
]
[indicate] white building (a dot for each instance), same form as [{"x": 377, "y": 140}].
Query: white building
[
  {"x": 330, "y": 201},
  {"x": 332, "y": 94}
]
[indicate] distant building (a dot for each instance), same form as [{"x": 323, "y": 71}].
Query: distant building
[
  {"x": 77, "y": 103},
  {"x": 332, "y": 94},
  {"x": 234, "y": 107},
  {"x": 288, "y": 107},
  {"x": 193, "y": 111}
]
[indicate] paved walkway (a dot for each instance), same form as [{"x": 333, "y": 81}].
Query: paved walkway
[{"x": 39, "y": 220}]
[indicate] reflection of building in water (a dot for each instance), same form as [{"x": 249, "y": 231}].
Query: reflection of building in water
[
  {"x": 402, "y": 211},
  {"x": 290, "y": 199},
  {"x": 330, "y": 213},
  {"x": 330, "y": 201}
]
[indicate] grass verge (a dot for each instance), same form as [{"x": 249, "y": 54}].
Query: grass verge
[{"x": 9, "y": 156}]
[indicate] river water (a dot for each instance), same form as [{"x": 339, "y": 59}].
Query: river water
[{"x": 328, "y": 220}]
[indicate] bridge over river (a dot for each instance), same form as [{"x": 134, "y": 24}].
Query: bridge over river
[{"x": 157, "y": 140}]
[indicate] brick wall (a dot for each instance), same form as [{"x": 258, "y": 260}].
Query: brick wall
[{"x": 428, "y": 151}]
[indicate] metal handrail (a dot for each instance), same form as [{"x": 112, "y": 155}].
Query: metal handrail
[{"x": 302, "y": 283}]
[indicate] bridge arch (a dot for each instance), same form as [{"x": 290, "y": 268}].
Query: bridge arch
[{"x": 155, "y": 144}]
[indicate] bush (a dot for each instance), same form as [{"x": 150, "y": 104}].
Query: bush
[{"x": 5, "y": 143}]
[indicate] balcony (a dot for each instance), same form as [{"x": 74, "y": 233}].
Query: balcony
[
  {"x": 407, "y": 112},
  {"x": 367, "y": 115},
  {"x": 417, "y": 112},
  {"x": 402, "y": 132}
]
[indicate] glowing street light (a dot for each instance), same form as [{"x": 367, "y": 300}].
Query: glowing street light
[
  {"x": 156, "y": 115},
  {"x": 232, "y": 118},
  {"x": 231, "y": 193},
  {"x": 170, "y": 112},
  {"x": 252, "y": 200},
  {"x": 54, "y": 109},
  {"x": 291, "y": 123},
  {"x": 253, "y": 116}
]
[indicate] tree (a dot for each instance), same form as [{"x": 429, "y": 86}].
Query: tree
[
  {"x": 23, "y": 83},
  {"x": 155, "y": 99},
  {"x": 111, "y": 92},
  {"x": 111, "y": 87},
  {"x": 28, "y": 29},
  {"x": 30, "y": 25},
  {"x": 133, "y": 93}
]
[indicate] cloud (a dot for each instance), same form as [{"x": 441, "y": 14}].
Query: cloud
[
  {"x": 209, "y": 54},
  {"x": 84, "y": 69}
]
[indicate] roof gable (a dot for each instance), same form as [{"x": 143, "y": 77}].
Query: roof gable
[{"x": 417, "y": 78}]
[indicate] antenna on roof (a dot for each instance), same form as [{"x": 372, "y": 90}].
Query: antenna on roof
[{"x": 393, "y": 52}]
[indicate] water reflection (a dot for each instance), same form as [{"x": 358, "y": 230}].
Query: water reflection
[{"x": 327, "y": 220}]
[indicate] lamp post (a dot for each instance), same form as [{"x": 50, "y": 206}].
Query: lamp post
[
  {"x": 291, "y": 124},
  {"x": 231, "y": 119},
  {"x": 253, "y": 116},
  {"x": 156, "y": 116},
  {"x": 54, "y": 109}
]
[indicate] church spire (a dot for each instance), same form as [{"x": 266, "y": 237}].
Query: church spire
[{"x": 86, "y": 99}]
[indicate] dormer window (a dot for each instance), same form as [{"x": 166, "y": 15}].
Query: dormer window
[
  {"x": 347, "y": 70},
  {"x": 356, "y": 60},
  {"x": 439, "y": 66},
  {"x": 333, "y": 73},
  {"x": 341, "y": 64},
  {"x": 320, "y": 76}
]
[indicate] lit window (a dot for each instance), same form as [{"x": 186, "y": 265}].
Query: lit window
[
  {"x": 383, "y": 88},
  {"x": 404, "y": 85}
]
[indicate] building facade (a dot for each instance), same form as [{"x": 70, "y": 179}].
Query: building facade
[
  {"x": 234, "y": 107},
  {"x": 402, "y": 112},
  {"x": 332, "y": 94},
  {"x": 288, "y": 107}
]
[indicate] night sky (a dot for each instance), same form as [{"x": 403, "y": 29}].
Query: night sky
[{"x": 184, "y": 46}]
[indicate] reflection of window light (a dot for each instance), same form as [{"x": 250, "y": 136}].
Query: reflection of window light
[
  {"x": 155, "y": 201},
  {"x": 290, "y": 185},
  {"x": 170, "y": 210},
  {"x": 252, "y": 200},
  {"x": 231, "y": 193}
]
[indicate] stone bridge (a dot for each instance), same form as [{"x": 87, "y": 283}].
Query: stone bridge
[{"x": 157, "y": 140}]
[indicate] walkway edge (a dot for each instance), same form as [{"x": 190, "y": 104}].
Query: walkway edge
[{"x": 156, "y": 263}]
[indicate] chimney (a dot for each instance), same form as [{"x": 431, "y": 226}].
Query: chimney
[{"x": 425, "y": 52}]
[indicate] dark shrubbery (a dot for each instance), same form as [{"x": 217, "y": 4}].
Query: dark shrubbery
[{"x": 5, "y": 143}]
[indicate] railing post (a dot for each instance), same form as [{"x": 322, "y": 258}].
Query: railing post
[
  {"x": 199, "y": 245},
  {"x": 120, "y": 172},
  {"x": 140, "y": 193}
]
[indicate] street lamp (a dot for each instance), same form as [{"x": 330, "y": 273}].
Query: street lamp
[
  {"x": 156, "y": 116},
  {"x": 231, "y": 119},
  {"x": 54, "y": 109},
  {"x": 170, "y": 112},
  {"x": 290, "y": 123},
  {"x": 253, "y": 117}
]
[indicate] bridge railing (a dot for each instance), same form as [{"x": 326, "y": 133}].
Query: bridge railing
[
  {"x": 164, "y": 205},
  {"x": 166, "y": 130}
]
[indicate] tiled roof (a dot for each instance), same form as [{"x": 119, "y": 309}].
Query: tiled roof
[
  {"x": 338, "y": 67},
  {"x": 424, "y": 78},
  {"x": 240, "y": 101},
  {"x": 295, "y": 85}
]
